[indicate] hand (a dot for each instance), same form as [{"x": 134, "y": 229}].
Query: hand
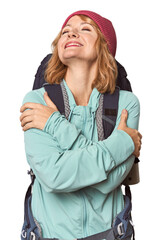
[
  {"x": 133, "y": 133},
  {"x": 38, "y": 114}
]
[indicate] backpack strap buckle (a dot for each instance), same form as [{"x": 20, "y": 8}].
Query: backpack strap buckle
[
  {"x": 23, "y": 234},
  {"x": 32, "y": 236},
  {"x": 120, "y": 229}
]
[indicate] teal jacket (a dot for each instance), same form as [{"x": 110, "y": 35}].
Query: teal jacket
[{"x": 77, "y": 190}]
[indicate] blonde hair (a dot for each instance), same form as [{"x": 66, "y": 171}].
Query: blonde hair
[{"x": 107, "y": 71}]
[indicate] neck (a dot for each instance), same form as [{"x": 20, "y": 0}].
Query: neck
[{"x": 79, "y": 78}]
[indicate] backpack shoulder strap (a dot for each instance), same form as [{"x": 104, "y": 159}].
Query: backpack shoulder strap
[
  {"x": 110, "y": 111},
  {"x": 55, "y": 93}
]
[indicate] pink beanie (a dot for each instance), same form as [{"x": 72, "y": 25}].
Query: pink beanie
[{"x": 105, "y": 26}]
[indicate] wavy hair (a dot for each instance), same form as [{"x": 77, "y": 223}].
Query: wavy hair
[{"x": 107, "y": 71}]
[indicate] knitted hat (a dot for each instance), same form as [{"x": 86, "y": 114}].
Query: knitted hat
[{"x": 105, "y": 26}]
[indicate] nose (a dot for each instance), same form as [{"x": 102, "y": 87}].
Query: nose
[{"x": 73, "y": 34}]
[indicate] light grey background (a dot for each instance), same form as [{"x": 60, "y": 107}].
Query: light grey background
[{"x": 26, "y": 33}]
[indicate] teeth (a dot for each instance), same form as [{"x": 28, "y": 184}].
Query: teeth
[{"x": 76, "y": 44}]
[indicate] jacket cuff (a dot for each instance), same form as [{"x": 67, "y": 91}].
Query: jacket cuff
[{"x": 52, "y": 122}]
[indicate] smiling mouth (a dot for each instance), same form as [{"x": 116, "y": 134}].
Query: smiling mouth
[{"x": 73, "y": 45}]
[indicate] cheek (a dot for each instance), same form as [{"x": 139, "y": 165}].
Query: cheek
[
  {"x": 92, "y": 47},
  {"x": 92, "y": 42},
  {"x": 60, "y": 50}
]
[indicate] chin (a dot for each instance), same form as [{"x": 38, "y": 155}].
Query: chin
[{"x": 70, "y": 55}]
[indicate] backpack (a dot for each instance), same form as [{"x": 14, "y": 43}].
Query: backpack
[{"x": 122, "y": 226}]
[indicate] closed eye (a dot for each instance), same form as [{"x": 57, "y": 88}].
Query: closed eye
[
  {"x": 64, "y": 32},
  {"x": 86, "y": 29}
]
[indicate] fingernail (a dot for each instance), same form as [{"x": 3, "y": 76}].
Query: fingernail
[{"x": 124, "y": 111}]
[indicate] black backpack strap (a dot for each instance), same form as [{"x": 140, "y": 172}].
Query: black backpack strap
[
  {"x": 27, "y": 196},
  {"x": 39, "y": 76},
  {"x": 55, "y": 93},
  {"x": 110, "y": 111}
]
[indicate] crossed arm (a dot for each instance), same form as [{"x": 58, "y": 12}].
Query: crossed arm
[{"x": 66, "y": 166}]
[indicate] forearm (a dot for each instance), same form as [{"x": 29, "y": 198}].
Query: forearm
[
  {"x": 115, "y": 177},
  {"x": 60, "y": 129}
]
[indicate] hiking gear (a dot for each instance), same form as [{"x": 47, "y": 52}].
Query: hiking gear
[
  {"x": 32, "y": 229},
  {"x": 104, "y": 25}
]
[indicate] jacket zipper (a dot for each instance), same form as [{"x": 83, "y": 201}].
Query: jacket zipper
[
  {"x": 85, "y": 232},
  {"x": 85, "y": 116},
  {"x": 82, "y": 194}
]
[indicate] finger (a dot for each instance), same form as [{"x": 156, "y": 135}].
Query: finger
[
  {"x": 25, "y": 114},
  {"x": 140, "y": 142},
  {"x": 30, "y": 105},
  {"x": 28, "y": 126},
  {"x": 26, "y": 120},
  {"x": 27, "y": 105},
  {"x": 124, "y": 116},
  {"x": 48, "y": 100},
  {"x": 137, "y": 154},
  {"x": 139, "y": 134}
]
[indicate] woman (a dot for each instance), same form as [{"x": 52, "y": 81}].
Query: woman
[{"x": 77, "y": 190}]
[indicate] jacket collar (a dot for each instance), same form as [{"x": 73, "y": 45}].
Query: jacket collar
[{"x": 93, "y": 100}]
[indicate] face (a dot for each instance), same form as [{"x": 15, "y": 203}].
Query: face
[{"x": 77, "y": 42}]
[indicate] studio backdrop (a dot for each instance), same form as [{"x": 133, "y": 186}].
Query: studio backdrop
[{"x": 27, "y": 31}]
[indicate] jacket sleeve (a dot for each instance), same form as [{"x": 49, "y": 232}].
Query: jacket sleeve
[
  {"x": 68, "y": 170},
  {"x": 115, "y": 177}
]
